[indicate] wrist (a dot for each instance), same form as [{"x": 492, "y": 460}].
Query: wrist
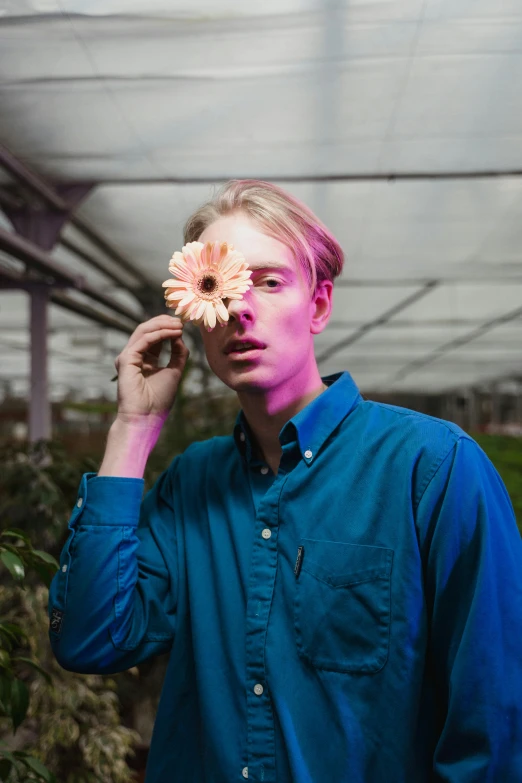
[
  {"x": 129, "y": 444},
  {"x": 132, "y": 423}
]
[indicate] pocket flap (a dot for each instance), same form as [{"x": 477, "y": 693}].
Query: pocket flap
[{"x": 340, "y": 564}]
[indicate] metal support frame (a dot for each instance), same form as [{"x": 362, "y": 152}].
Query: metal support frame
[
  {"x": 38, "y": 219},
  {"x": 14, "y": 281},
  {"x": 53, "y": 198},
  {"x": 42, "y": 226},
  {"x": 40, "y": 261},
  {"x": 39, "y": 404}
]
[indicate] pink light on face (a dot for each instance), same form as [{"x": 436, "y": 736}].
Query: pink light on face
[{"x": 277, "y": 311}]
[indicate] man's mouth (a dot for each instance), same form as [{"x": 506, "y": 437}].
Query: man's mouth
[
  {"x": 244, "y": 353},
  {"x": 243, "y": 346}
]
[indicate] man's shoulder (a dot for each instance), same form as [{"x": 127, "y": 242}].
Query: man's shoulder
[
  {"x": 403, "y": 439},
  {"x": 405, "y": 422}
]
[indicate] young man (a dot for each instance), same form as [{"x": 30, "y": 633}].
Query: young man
[{"x": 338, "y": 582}]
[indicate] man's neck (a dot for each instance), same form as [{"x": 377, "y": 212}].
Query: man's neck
[{"x": 267, "y": 413}]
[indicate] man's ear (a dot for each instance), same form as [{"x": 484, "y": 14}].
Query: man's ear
[{"x": 321, "y": 306}]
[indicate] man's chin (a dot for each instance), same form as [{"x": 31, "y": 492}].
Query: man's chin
[{"x": 243, "y": 379}]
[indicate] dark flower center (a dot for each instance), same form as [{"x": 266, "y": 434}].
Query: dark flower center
[{"x": 208, "y": 284}]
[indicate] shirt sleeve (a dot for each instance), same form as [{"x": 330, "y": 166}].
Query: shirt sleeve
[
  {"x": 474, "y": 595},
  {"x": 112, "y": 604}
]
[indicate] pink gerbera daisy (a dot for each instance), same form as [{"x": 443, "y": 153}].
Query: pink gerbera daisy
[{"x": 205, "y": 275}]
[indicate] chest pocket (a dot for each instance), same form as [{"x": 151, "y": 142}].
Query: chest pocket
[{"x": 342, "y": 606}]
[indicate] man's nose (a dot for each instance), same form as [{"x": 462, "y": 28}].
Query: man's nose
[{"x": 240, "y": 309}]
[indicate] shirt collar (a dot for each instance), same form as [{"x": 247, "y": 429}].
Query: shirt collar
[{"x": 314, "y": 423}]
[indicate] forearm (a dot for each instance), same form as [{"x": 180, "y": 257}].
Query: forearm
[
  {"x": 112, "y": 587},
  {"x": 129, "y": 444}
]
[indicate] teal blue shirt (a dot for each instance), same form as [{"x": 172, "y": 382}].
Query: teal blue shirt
[{"x": 356, "y": 618}]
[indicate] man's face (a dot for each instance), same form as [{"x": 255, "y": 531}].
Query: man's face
[{"x": 277, "y": 310}]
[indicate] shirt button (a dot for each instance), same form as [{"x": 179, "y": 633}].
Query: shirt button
[
  {"x": 242, "y": 437},
  {"x": 79, "y": 503},
  {"x": 64, "y": 568},
  {"x": 264, "y": 470},
  {"x": 258, "y": 689},
  {"x": 308, "y": 454},
  {"x": 244, "y": 772},
  {"x": 266, "y": 533}
]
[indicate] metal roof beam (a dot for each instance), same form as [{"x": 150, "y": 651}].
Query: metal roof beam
[
  {"x": 36, "y": 258},
  {"x": 72, "y": 247},
  {"x": 11, "y": 280},
  {"x": 457, "y": 343},
  {"x": 50, "y": 196},
  {"x": 379, "y": 321},
  {"x": 389, "y": 176}
]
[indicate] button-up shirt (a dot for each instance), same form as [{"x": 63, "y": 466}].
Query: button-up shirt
[{"x": 356, "y": 618}]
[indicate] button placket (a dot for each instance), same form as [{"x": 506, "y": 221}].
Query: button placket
[{"x": 260, "y": 719}]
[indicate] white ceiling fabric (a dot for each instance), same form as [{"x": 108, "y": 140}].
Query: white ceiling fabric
[{"x": 135, "y": 96}]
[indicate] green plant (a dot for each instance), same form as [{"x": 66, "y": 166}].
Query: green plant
[
  {"x": 16, "y": 555},
  {"x": 505, "y": 452},
  {"x": 68, "y": 726}
]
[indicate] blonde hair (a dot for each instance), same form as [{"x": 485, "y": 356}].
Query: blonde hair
[{"x": 281, "y": 216}]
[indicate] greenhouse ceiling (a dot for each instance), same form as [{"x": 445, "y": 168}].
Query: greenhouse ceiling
[{"x": 398, "y": 122}]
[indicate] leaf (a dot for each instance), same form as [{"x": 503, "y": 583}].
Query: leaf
[
  {"x": 36, "y": 766},
  {"x": 19, "y": 702},
  {"x": 35, "y": 665},
  {"x": 19, "y": 551},
  {"x": 8, "y": 755},
  {"x": 45, "y": 556},
  {"x": 5, "y": 768},
  {"x": 14, "y": 629},
  {"x": 6, "y": 763},
  {"x": 13, "y": 564},
  {"x": 15, "y": 532},
  {"x": 6, "y": 641},
  {"x": 5, "y": 659},
  {"x": 5, "y": 692}
]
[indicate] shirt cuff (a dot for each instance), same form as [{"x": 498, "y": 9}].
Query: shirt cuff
[{"x": 108, "y": 500}]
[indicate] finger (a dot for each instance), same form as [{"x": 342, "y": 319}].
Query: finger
[
  {"x": 143, "y": 345},
  {"x": 153, "y": 324},
  {"x": 148, "y": 356},
  {"x": 177, "y": 349},
  {"x": 152, "y": 355}
]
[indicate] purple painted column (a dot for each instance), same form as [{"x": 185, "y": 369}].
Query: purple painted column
[
  {"x": 39, "y": 406},
  {"x": 42, "y": 225}
]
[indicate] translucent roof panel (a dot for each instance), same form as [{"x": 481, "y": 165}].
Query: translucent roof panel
[{"x": 398, "y": 122}]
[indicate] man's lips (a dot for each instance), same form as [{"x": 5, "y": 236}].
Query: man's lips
[
  {"x": 237, "y": 346},
  {"x": 247, "y": 353}
]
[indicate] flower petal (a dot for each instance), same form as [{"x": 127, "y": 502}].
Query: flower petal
[
  {"x": 175, "y": 284},
  {"x": 190, "y": 295},
  {"x": 200, "y": 309},
  {"x": 181, "y": 310},
  {"x": 176, "y": 296},
  {"x": 221, "y": 310},
  {"x": 182, "y": 272},
  {"x": 211, "y": 315}
]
